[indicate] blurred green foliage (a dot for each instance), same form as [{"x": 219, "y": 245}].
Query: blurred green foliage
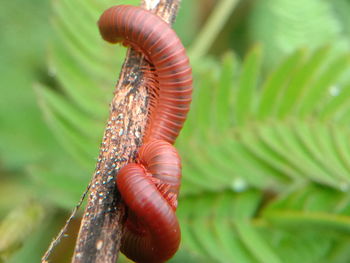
[{"x": 265, "y": 149}]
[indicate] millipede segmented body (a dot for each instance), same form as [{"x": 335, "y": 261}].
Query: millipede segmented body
[{"x": 150, "y": 186}]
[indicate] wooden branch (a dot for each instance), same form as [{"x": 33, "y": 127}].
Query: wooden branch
[{"x": 102, "y": 224}]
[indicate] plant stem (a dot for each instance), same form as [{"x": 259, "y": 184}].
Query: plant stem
[{"x": 212, "y": 28}]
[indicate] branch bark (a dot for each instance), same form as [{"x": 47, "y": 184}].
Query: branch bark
[{"x": 102, "y": 224}]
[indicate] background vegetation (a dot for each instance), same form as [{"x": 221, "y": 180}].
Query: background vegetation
[{"x": 266, "y": 147}]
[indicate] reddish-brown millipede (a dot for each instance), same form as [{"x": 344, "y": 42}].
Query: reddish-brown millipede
[{"x": 150, "y": 186}]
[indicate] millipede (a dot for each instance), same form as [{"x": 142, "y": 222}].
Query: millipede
[{"x": 150, "y": 185}]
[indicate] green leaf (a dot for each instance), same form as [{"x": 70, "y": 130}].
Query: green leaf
[
  {"x": 246, "y": 90},
  {"x": 255, "y": 244},
  {"x": 17, "y": 226},
  {"x": 78, "y": 120},
  {"x": 320, "y": 88},
  {"x": 82, "y": 148},
  {"x": 275, "y": 83},
  {"x": 305, "y": 76},
  {"x": 272, "y": 147},
  {"x": 283, "y": 26}
]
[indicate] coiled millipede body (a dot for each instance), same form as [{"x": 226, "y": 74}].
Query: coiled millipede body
[{"x": 150, "y": 186}]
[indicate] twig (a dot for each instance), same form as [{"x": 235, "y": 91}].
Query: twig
[
  {"x": 212, "y": 28},
  {"x": 63, "y": 231},
  {"x": 102, "y": 224}
]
